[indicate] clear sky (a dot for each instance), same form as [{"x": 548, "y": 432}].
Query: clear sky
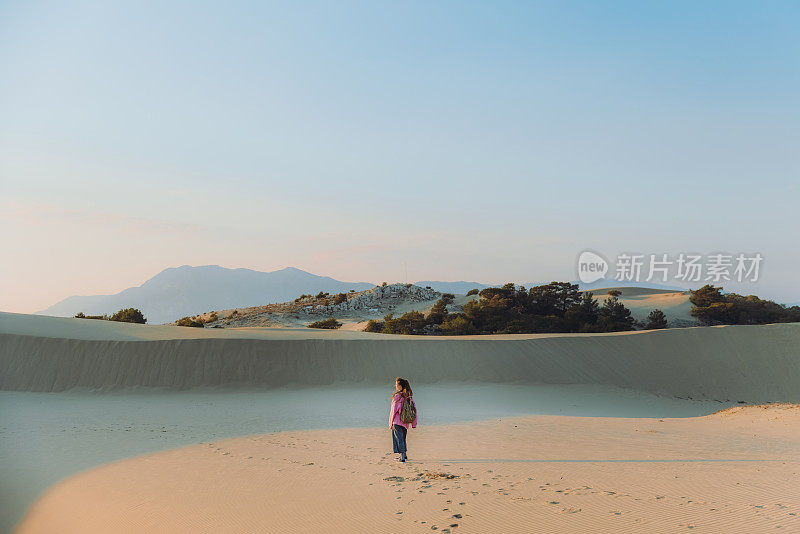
[{"x": 486, "y": 141}]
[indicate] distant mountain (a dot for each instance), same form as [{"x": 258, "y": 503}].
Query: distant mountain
[
  {"x": 180, "y": 291},
  {"x": 459, "y": 288}
]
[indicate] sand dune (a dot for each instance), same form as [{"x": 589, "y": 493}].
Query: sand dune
[
  {"x": 734, "y": 471},
  {"x": 641, "y": 301},
  {"x": 635, "y": 291},
  {"x": 750, "y": 363}
]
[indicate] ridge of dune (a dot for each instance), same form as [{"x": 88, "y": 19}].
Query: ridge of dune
[
  {"x": 719, "y": 473},
  {"x": 777, "y": 410},
  {"x": 749, "y": 363}
]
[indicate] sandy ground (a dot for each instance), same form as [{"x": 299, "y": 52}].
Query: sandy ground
[
  {"x": 734, "y": 471},
  {"x": 715, "y": 472},
  {"x": 46, "y": 437}
]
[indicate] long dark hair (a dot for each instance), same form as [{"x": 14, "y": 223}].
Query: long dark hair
[{"x": 405, "y": 387}]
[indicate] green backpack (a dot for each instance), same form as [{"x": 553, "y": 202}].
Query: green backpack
[{"x": 408, "y": 413}]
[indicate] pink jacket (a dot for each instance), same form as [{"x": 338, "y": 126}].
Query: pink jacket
[{"x": 394, "y": 412}]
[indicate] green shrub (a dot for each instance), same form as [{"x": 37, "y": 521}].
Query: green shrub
[
  {"x": 656, "y": 320},
  {"x": 374, "y": 326},
  {"x": 129, "y": 315},
  {"x": 473, "y": 292},
  {"x": 554, "y": 307},
  {"x": 189, "y": 321},
  {"x": 614, "y": 316},
  {"x": 706, "y": 296},
  {"x": 438, "y": 313},
  {"x": 457, "y": 325},
  {"x": 583, "y": 316},
  {"x": 548, "y": 308},
  {"x": 80, "y": 315},
  {"x": 339, "y": 298},
  {"x": 711, "y": 306},
  {"x": 412, "y": 322},
  {"x": 328, "y": 324}
]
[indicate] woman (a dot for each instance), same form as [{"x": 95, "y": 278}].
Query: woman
[{"x": 396, "y": 424}]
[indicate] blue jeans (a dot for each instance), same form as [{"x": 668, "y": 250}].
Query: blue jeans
[{"x": 399, "y": 438}]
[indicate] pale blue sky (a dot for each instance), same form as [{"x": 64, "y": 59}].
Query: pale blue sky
[{"x": 481, "y": 141}]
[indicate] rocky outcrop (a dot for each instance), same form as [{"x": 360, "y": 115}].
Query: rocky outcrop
[
  {"x": 388, "y": 294},
  {"x": 352, "y": 307}
]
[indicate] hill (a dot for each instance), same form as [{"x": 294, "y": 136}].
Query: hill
[
  {"x": 374, "y": 303},
  {"x": 354, "y": 309},
  {"x": 751, "y": 363},
  {"x": 180, "y": 291}
]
